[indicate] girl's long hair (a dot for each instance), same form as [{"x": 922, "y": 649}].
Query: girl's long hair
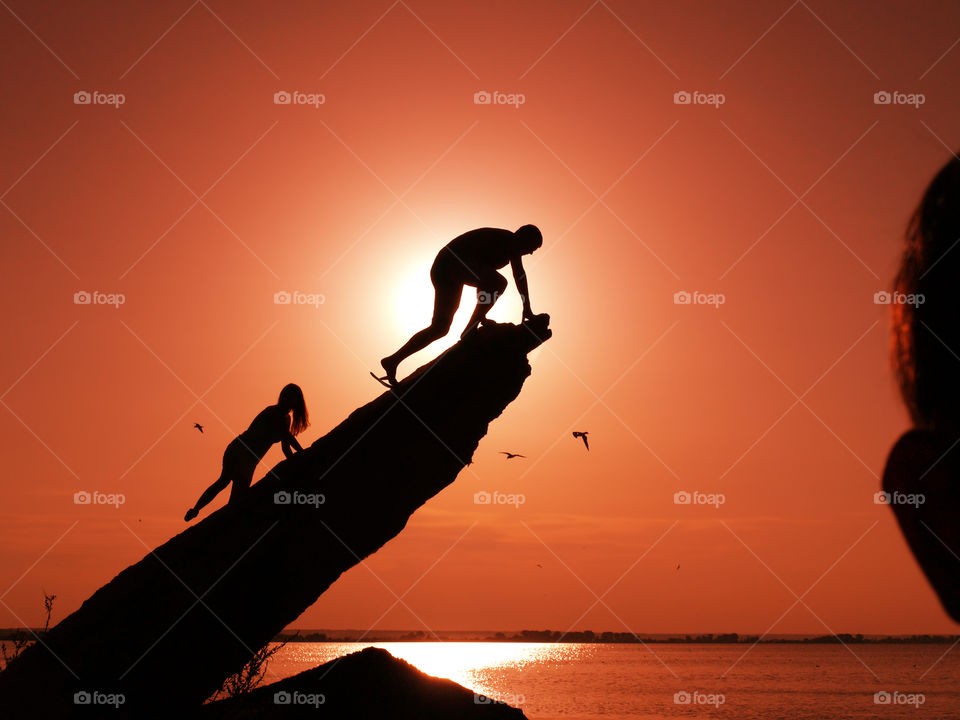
[
  {"x": 292, "y": 396},
  {"x": 925, "y": 318}
]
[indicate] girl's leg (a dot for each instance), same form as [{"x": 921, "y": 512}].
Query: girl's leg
[
  {"x": 241, "y": 484},
  {"x": 209, "y": 494}
]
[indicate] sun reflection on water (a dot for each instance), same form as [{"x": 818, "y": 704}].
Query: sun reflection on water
[{"x": 475, "y": 665}]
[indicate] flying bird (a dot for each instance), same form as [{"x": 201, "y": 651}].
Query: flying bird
[
  {"x": 198, "y": 426},
  {"x": 582, "y": 436},
  {"x": 510, "y": 455}
]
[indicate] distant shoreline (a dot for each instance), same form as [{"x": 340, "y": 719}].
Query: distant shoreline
[{"x": 585, "y": 637}]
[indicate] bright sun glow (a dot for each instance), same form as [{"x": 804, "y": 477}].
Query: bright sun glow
[
  {"x": 411, "y": 298},
  {"x": 472, "y": 664},
  {"x": 475, "y": 665},
  {"x": 460, "y": 661}
]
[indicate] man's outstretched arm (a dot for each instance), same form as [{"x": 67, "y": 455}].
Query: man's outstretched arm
[{"x": 520, "y": 278}]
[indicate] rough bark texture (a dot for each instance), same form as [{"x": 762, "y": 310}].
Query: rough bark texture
[{"x": 166, "y": 631}]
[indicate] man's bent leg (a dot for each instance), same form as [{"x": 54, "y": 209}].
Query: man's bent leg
[{"x": 489, "y": 290}]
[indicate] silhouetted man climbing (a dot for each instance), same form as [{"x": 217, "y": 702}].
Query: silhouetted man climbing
[{"x": 470, "y": 259}]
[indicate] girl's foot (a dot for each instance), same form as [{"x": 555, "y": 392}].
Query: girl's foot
[{"x": 191, "y": 514}]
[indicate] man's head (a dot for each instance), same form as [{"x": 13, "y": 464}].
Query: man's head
[{"x": 529, "y": 237}]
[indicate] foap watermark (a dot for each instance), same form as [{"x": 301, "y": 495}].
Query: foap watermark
[
  {"x": 95, "y": 297},
  {"x": 296, "y": 97},
  {"x": 482, "y": 497},
  {"x": 298, "y": 498},
  {"x": 295, "y": 297},
  {"x": 896, "y": 97},
  {"x": 82, "y": 497},
  {"x": 885, "y": 297},
  {"x": 94, "y": 697},
  {"x": 683, "y": 297},
  {"x": 298, "y": 698},
  {"x": 487, "y": 298},
  {"x": 509, "y": 699},
  {"x": 695, "y": 697},
  {"x": 483, "y": 97},
  {"x": 95, "y": 97},
  {"x": 685, "y": 497},
  {"x": 881, "y": 497},
  {"x": 899, "y": 698},
  {"x": 695, "y": 97}
]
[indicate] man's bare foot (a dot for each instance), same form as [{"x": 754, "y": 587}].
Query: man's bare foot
[
  {"x": 191, "y": 514},
  {"x": 390, "y": 368},
  {"x": 482, "y": 322}
]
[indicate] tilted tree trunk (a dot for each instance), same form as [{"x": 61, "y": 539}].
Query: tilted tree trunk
[{"x": 167, "y": 630}]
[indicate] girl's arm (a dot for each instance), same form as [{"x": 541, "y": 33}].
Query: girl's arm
[{"x": 289, "y": 444}]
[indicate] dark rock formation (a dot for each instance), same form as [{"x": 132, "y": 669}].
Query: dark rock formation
[
  {"x": 166, "y": 631},
  {"x": 367, "y": 684}
]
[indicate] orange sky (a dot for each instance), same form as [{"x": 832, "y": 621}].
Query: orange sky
[{"x": 789, "y": 199}]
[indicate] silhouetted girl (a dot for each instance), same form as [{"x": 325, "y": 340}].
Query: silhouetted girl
[
  {"x": 273, "y": 425},
  {"x": 922, "y": 476}
]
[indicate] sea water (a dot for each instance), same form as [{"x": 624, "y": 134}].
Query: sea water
[{"x": 576, "y": 681}]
